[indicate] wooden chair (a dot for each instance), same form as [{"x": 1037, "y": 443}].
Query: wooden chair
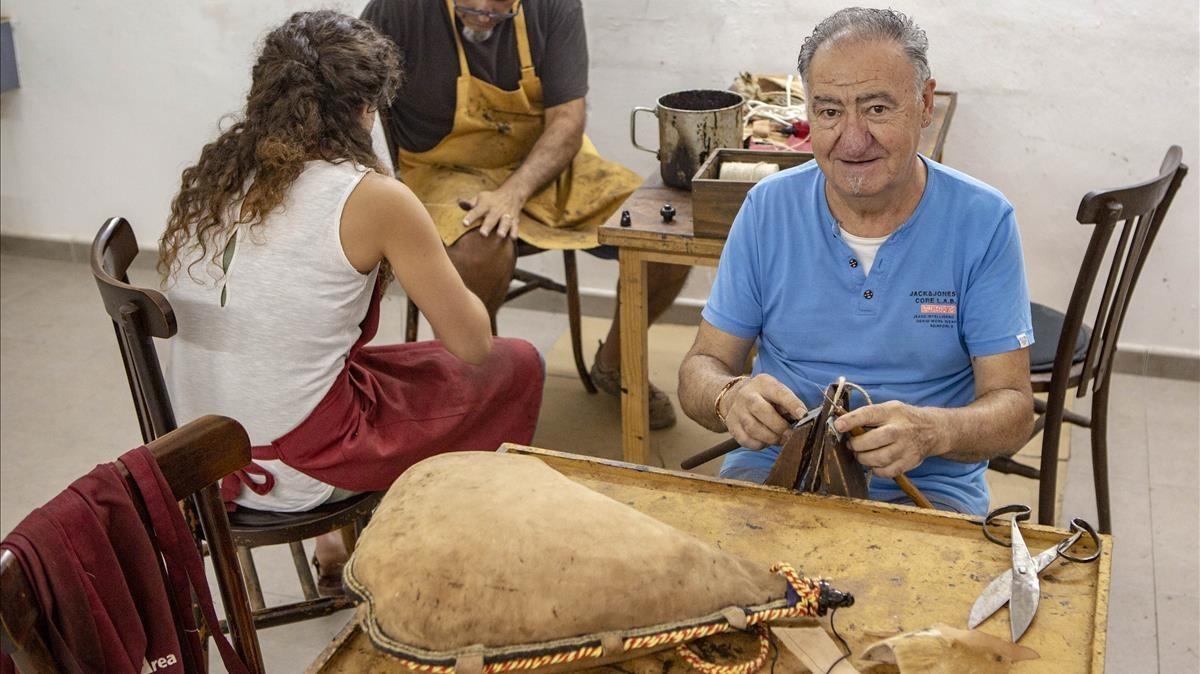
[
  {"x": 1083, "y": 358},
  {"x": 192, "y": 458},
  {"x": 528, "y": 281},
  {"x": 140, "y": 314}
]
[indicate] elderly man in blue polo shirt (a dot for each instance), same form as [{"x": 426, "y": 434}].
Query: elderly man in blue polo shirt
[{"x": 877, "y": 264}]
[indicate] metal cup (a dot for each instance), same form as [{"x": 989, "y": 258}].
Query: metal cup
[{"x": 691, "y": 125}]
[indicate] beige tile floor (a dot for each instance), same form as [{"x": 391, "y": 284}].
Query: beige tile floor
[{"x": 64, "y": 407}]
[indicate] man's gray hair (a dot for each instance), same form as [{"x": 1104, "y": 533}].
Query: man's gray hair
[{"x": 870, "y": 24}]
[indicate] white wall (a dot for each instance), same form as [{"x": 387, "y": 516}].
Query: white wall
[{"x": 1055, "y": 99}]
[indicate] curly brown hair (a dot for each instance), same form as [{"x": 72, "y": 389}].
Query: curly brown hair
[{"x": 310, "y": 83}]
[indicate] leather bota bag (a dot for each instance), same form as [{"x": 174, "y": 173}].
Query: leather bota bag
[{"x": 493, "y": 562}]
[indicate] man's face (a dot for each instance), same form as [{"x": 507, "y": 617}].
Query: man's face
[
  {"x": 866, "y": 117},
  {"x": 477, "y": 27}
]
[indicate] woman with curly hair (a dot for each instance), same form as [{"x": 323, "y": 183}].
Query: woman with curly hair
[{"x": 275, "y": 256}]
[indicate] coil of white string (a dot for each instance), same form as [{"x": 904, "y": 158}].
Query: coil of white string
[{"x": 786, "y": 114}]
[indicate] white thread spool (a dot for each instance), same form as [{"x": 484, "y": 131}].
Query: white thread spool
[{"x": 746, "y": 171}]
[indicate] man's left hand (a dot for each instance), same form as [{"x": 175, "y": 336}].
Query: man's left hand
[
  {"x": 496, "y": 210},
  {"x": 898, "y": 436}
]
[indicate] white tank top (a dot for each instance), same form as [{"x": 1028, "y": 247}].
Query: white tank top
[{"x": 293, "y": 304}]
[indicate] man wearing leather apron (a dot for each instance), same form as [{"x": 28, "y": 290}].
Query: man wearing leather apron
[{"x": 487, "y": 130}]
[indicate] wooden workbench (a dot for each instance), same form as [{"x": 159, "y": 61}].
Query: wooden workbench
[{"x": 907, "y": 568}]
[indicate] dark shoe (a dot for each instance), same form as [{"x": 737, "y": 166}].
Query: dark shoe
[
  {"x": 329, "y": 581},
  {"x": 662, "y": 413}
]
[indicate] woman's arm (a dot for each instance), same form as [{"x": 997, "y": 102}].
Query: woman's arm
[{"x": 384, "y": 219}]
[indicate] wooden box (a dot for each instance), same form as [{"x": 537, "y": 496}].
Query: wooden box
[{"x": 716, "y": 202}]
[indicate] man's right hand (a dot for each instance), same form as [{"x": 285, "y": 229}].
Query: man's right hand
[{"x": 752, "y": 411}]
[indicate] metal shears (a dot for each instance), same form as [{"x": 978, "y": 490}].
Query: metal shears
[{"x": 1019, "y": 586}]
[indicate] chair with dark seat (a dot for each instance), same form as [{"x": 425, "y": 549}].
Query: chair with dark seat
[
  {"x": 193, "y": 459},
  {"x": 527, "y": 281},
  {"x": 1067, "y": 354},
  {"x": 140, "y": 314}
]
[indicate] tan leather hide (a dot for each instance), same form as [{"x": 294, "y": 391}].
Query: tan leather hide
[{"x": 499, "y": 553}]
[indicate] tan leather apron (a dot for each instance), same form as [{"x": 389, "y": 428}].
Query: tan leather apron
[{"x": 494, "y": 130}]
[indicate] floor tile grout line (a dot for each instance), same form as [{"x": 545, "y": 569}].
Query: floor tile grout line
[{"x": 1150, "y": 509}]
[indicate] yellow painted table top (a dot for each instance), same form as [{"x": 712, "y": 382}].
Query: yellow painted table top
[{"x": 907, "y": 568}]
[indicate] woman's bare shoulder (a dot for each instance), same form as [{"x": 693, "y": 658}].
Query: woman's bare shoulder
[
  {"x": 382, "y": 199},
  {"x": 377, "y": 186}
]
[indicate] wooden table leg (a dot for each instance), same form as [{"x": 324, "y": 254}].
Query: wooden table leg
[{"x": 635, "y": 383}]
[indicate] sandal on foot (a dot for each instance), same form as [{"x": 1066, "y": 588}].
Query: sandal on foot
[{"x": 329, "y": 581}]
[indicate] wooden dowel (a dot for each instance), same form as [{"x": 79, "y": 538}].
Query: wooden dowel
[
  {"x": 711, "y": 453},
  {"x": 912, "y": 492}
]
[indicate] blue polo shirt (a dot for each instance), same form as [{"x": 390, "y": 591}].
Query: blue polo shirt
[{"x": 946, "y": 286}]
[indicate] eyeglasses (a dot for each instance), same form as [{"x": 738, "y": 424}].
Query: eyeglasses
[{"x": 487, "y": 13}]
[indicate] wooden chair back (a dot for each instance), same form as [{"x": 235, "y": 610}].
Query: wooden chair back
[
  {"x": 1136, "y": 214},
  {"x": 192, "y": 459},
  {"x": 21, "y": 621},
  {"x": 138, "y": 316}
]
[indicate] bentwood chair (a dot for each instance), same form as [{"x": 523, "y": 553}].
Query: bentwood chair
[
  {"x": 1082, "y": 358},
  {"x": 525, "y": 282},
  {"x": 141, "y": 314},
  {"x": 193, "y": 459}
]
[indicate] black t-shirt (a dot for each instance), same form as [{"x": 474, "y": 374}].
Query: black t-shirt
[{"x": 423, "y": 112}]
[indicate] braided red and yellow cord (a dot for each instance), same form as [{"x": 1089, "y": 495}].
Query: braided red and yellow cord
[
  {"x": 689, "y": 656},
  {"x": 808, "y": 590}
]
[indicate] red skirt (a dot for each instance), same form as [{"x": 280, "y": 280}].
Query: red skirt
[{"x": 393, "y": 406}]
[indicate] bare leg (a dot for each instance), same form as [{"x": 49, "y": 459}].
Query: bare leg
[
  {"x": 331, "y": 551},
  {"x": 663, "y": 282},
  {"x": 486, "y": 265}
]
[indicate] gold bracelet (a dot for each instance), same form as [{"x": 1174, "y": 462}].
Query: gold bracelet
[{"x": 725, "y": 389}]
